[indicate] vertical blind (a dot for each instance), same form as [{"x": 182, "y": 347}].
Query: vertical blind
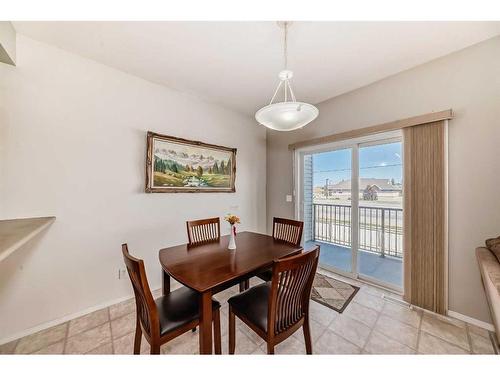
[{"x": 425, "y": 257}]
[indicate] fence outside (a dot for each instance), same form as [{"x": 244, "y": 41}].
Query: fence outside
[{"x": 380, "y": 228}]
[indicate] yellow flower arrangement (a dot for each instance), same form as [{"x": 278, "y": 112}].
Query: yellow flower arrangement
[{"x": 232, "y": 219}]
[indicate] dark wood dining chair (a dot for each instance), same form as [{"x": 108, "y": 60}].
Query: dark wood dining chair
[
  {"x": 286, "y": 230},
  {"x": 203, "y": 231},
  {"x": 167, "y": 317},
  {"x": 276, "y": 309}
]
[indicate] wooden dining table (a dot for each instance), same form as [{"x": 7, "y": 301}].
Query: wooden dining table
[{"x": 210, "y": 268}]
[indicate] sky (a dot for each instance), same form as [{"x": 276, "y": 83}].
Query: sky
[{"x": 380, "y": 161}]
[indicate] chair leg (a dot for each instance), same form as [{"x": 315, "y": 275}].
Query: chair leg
[
  {"x": 307, "y": 335},
  {"x": 217, "y": 338},
  {"x": 155, "y": 348},
  {"x": 270, "y": 348},
  {"x": 232, "y": 331},
  {"x": 138, "y": 337}
]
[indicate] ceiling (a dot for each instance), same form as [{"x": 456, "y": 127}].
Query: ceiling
[{"x": 236, "y": 64}]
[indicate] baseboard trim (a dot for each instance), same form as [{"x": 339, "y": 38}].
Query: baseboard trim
[
  {"x": 470, "y": 320},
  {"x": 64, "y": 319}
]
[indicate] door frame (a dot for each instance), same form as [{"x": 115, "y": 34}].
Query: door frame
[{"x": 354, "y": 144}]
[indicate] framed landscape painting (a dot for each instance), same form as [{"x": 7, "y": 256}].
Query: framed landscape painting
[{"x": 176, "y": 165}]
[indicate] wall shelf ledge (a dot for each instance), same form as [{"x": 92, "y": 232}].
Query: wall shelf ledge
[{"x": 15, "y": 233}]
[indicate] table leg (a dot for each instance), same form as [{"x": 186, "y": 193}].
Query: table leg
[
  {"x": 244, "y": 285},
  {"x": 165, "y": 282},
  {"x": 206, "y": 322}
]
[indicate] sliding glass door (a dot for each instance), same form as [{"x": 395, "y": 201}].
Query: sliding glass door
[
  {"x": 351, "y": 204},
  {"x": 380, "y": 230},
  {"x": 331, "y": 207}
]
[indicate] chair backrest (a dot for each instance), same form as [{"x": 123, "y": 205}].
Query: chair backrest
[
  {"x": 145, "y": 303},
  {"x": 203, "y": 231},
  {"x": 288, "y": 230},
  {"x": 291, "y": 289}
]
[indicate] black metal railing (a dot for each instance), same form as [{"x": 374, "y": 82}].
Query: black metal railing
[{"x": 380, "y": 228}]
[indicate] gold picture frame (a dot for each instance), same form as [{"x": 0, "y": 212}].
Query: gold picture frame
[{"x": 178, "y": 165}]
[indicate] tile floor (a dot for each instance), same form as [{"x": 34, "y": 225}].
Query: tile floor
[{"x": 369, "y": 325}]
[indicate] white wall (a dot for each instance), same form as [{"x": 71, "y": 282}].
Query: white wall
[
  {"x": 467, "y": 81},
  {"x": 72, "y": 145}
]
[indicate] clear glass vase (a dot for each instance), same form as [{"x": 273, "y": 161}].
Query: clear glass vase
[{"x": 232, "y": 238}]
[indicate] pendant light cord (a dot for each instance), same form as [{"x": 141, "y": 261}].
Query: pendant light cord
[
  {"x": 285, "y": 83},
  {"x": 285, "y": 45},
  {"x": 285, "y": 53}
]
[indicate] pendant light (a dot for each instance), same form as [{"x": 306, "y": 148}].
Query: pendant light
[{"x": 288, "y": 114}]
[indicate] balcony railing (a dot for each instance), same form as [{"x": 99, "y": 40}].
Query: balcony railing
[{"x": 380, "y": 228}]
